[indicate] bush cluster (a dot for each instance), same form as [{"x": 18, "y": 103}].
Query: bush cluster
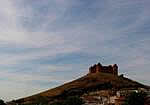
[
  {"x": 2, "y": 102},
  {"x": 72, "y": 100},
  {"x": 135, "y": 99}
]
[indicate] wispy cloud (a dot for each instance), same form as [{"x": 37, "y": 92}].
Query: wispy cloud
[{"x": 46, "y": 43}]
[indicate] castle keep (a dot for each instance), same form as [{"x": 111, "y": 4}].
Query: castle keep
[{"x": 111, "y": 69}]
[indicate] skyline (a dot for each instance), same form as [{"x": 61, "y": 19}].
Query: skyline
[{"x": 46, "y": 43}]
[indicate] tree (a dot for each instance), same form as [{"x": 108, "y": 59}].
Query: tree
[
  {"x": 57, "y": 103},
  {"x": 135, "y": 99},
  {"x": 2, "y": 102},
  {"x": 73, "y": 100},
  {"x": 41, "y": 100}
]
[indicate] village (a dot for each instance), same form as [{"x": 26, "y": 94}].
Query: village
[{"x": 110, "y": 97}]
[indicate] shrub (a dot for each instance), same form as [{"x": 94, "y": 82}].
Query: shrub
[
  {"x": 41, "y": 100},
  {"x": 2, "y": 102},
  {"x": 135, "y": 99},
  {"x": 57, "y": 103},
  {"x": 73, "y": 100}
]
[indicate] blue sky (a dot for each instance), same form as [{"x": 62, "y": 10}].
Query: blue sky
[{"x": 45, "y": 43}]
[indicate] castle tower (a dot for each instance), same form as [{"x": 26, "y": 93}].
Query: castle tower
[
  {"x": 98, "y": 67},
  {"x": 115, "y": 69},
  {"x": 92, "y": 69}
]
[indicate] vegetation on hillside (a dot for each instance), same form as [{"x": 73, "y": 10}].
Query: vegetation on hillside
[
  {"x": 72, "y": 100},
  {"x": 87, "y": 83},
  {"x": 135, "y": 99},
  {"x": 2, "y": 102}
]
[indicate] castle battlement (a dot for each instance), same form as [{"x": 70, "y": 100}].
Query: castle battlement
[{"x": 111, "y": 69}]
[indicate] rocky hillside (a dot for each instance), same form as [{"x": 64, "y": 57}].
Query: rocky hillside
[{"x": 89, "y": 82}]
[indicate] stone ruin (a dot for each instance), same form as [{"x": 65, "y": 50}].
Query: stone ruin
[{"x": 98, "y": 68}]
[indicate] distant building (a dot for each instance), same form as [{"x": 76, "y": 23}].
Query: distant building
[
  {"x": 111, "y": 69},
  {"x": 119, "y": 100}
]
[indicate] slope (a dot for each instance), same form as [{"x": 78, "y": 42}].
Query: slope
[{"x": 89, "y": 82}]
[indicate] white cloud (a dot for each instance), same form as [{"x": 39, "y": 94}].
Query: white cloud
[
  {"x": 103, "y": 31},
  {"x": 17, "y": 85}
]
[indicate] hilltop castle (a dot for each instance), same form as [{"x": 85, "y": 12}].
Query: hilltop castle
[{"x": 111, "y": 69}]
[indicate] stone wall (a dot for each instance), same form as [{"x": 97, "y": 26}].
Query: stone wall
[{"x": 111, "y": 69}]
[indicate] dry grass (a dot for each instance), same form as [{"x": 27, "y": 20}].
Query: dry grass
[{"x": 89, "y": 81}]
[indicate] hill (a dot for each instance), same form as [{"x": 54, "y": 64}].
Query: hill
[{"x": 89, "y": 82}]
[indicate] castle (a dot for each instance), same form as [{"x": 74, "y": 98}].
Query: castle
[{"x": 111, "y": 69}]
